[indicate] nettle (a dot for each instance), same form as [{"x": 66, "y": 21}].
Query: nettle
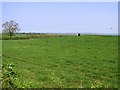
[{"x": 8, "y": 75}]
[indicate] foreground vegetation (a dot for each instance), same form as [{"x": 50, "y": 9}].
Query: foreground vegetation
[{"x": 88, "y": 61}]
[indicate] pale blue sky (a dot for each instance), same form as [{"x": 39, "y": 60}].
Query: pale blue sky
[
  {"x": 63, "y": 17},
  {"x": 60, "y": 0}
]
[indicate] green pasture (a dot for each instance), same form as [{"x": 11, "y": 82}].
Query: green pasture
[{"x": 64, "y": 62}]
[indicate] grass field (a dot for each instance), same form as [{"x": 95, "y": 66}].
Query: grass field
[{"x": 67, "y": 61}]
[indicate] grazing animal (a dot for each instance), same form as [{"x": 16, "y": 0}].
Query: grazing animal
[{"x": 78, "y": 34}]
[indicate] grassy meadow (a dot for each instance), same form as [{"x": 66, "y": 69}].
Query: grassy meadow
[{"x": 86, "y": 61}]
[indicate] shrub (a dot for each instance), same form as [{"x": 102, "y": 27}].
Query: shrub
[
  {"x": 8, "y": 75},
  {"x": 29, "y": 36}
]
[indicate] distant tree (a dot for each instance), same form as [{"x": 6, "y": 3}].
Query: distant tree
[{"x": 10, "y": 28}]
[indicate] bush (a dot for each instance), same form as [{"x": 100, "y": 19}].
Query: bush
[
  {"x": 29, "y": 36},
  {"x": 8, "y": 75}
]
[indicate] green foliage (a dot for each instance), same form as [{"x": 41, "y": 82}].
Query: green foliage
[
  {"x": 28, "y": 36},
  {"x": 97, "y": 84},
  {"x": 8, "y": 76},
  {"x": 11, "y": 79}
]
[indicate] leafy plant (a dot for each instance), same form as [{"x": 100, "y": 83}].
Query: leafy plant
[
  {"x": 10, "y": 79},
  {"x": 8, "y": 76},
  {"x": 97, "y": 84}
]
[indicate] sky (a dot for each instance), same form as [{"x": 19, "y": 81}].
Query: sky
[
  {"x": 60, "y": 0},
  {"x": 63, "y": 17}
]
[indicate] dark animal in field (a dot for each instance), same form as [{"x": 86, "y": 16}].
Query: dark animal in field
[{"x": 78, "y": 34}]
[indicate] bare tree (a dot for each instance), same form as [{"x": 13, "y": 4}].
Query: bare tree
[{"x": 10, "y": 27}]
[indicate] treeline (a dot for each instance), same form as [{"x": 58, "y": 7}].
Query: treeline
[
  {"x": 32, "y": 33},
  {"x": 19, "y": 36}
]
